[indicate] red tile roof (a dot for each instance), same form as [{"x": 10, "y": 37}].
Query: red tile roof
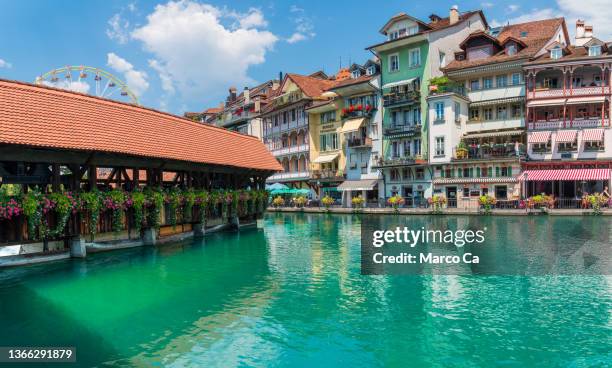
[
  {"x": 312, "y": 87},
  {"x": 40, "y": 116},
  {"x": 538, "y": 33}
]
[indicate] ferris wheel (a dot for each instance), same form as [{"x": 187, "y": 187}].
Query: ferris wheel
[{"x": 78, "y": 78}]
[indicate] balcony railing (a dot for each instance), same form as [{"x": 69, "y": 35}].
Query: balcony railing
[
  {"x": 287, "y": 176},
  {"x": 328, "y": 174},
  {"x": 346, "y": 114},
  {"x": 576, "y": 123},
  {"x": 359, "y": 142},
  {"x": 231, "y": 119},
  {"x": 403, "y": 128},
  {"x": 399, "y": 161},
  {"x": 290, "y": 150},
  {"x": 437, "y": 90},
  {"x": 484, "y": 152},
  {"x": 567, "y": 92},
  {"x": 284, "y": 127},
  {"x": 401, "y": 98}
]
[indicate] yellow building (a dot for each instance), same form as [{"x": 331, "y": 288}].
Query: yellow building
[{"x": 327, "y": 157}]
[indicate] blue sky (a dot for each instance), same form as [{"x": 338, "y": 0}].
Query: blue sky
[{"x": 183, "y": 56}]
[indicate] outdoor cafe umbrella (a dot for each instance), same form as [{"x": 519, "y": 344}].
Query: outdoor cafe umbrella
[{"x": 276, "y": 186}]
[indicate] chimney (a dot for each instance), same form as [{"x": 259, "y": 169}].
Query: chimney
[
  {"x": 247, "y": 95},
  {"x": 584, "y": 33},
  {"x": 232, "y": 94},
  {"x": 434, "y": 18},
  {"x": 454, "y": 15},
  {"x": 280, "y": 77}
]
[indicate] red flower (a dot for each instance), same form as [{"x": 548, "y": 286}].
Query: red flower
[
  {"x": 368, "y": 107},
  {"x": 351, "y": 108},
  {"x": 359, "y": 107}
]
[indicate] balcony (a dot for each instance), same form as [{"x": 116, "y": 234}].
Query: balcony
[
  {"x": 401, "y": 98},
  {"x": 359, "y": 142},
  {"x": 347, "y": 114},
  {"x": 576, "y": 123},
  {"x": 399, "y": 161},
  {"x": 285, "y": 127},
  {"x": 499, "y": 151},
  {"x": 478, "y": 125},
  {"x": 499, "y": 93},
  {"x": 289, "y": 176},
  {"x": 568, "y": 92},
  {"x": 290, "y": 150},
  {"x": 328, "y": 175},
  {"x": 233, "y": 118},
  {"x": 403, "y": 129},
  {"x": 288, "y": 98},
  {"x": 441, "y": 89}
]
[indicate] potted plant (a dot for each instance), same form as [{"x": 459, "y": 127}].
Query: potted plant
[
  {"x": 438, "y": 202},
  {"x": 486, "y": 203},
  {"x": 395, "y": 202},
  {"x": 278, "y": 202},
  {"x": 462, "y": 150},
  {"x": 358, "y": 202},
  {"x": 300, "y": 202},
  {"x": 327, "y": 202}
]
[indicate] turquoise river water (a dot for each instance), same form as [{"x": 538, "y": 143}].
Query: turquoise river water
[{"x": 292, "y": 295}]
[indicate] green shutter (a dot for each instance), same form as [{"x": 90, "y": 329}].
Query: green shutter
[
  {"x": 471, "y": 172},
  {"x": 509, "y": 170},
  {"x": 478, "y": 172},
  {"x": 497, "y": 171}
]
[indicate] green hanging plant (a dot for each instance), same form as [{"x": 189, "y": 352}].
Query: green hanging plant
[
  {"x": 64, "y": 204},
  {"x": 154, "y": 202},
  {"x": 115, "y": 202},
  {"x": 90, "y": 201},
  {"x": 189, "y": 199},
  {"x": 138, "y": 204},
  {"x": 173, "y": 200},
  {"x": 203, "y": 201},
  {"x": 34, "y": 204}
]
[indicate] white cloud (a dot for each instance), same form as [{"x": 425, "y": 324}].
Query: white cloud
[
  {"x": 5, "y": 64},
  {"x": 197, "y": 53},
  {"x": 534, "y": 14},
  {"x": 513, "y": 7},
  {"x": 487, "y": 5},
  {"x": 118, "y": 29},
  {"x": 76, "y": 86},
  {"x": 296, "y": 9},
  {"x": 304, "y": 29},
  {"x": 136, "y": 80},
  {"x": 594, "y": 12},
  {"x": 296, "y": 37}
]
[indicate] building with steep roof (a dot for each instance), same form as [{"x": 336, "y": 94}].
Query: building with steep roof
[
  {"x": 477, "y": 120},
  {"x": 412, "y": 54}
]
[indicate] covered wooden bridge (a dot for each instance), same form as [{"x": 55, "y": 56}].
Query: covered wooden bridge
[{"x": 56, "y": 140}]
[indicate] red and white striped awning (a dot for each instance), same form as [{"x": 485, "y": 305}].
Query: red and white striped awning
[
  {"x": 593, "y": 135},
  {"x": 565, "y": 175},
  {"x": 566, "y": 136},
  {"x": 539, "y": 137},
  {"x": 439, "y": 181}
]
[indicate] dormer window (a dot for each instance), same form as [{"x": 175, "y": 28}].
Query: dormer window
[
  {"x": 511, "y": 49},
  {"x": 595, "y": 50},
  {"x": 556, "y": 53},
  {"x": 413, "y": 30},
  {"x": 371, "y": 70},
  {"x": 355, "y": 74},
  {"x": 524, "y": 34}
]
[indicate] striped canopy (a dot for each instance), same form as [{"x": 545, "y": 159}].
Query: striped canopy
[
  {"x": 566, "y": 136},
  {"x": 593, "y": 135},
  {"x": 539, "y": 137},
  {"x": 565, "y": 175}
]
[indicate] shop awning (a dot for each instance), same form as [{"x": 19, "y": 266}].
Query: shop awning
[
  {"x": 565, "y": 175},
  {"x": 593, "y": 135},
  {"x": 474, "y": 180},
  {"x": 325, "y": 158},
  {"x": 539, "y": 137},
  {"x": 551, "y": 102},
  {"x": 494, "y": 134},
  {"x": 582, "y": 100},
  {"x": 497, "y": 101},
  {"x": 365, "y": 184},
  {"x": 352, "y": 125},
  {"x": 566, "y": 136},
  {"x": 398, "y": 83}
]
